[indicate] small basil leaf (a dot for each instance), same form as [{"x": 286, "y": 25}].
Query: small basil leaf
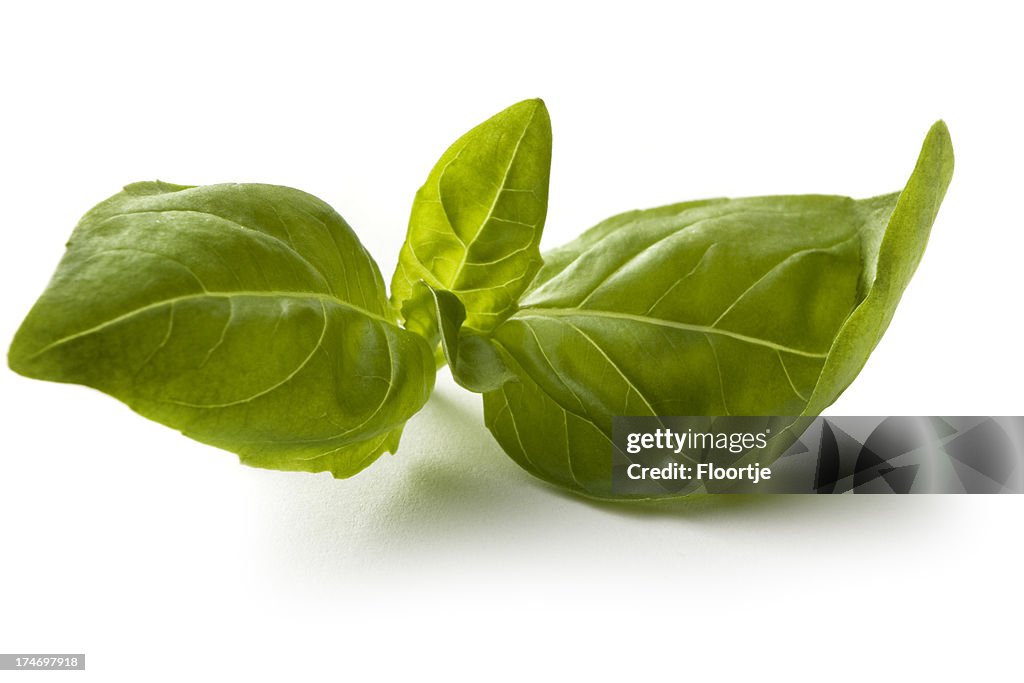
[
  {"x": 249, "y": 317},
  {"x": 476, "y": 223},
  {"x": 761, "y": 306},
  {"x": 439, "y": 316}
]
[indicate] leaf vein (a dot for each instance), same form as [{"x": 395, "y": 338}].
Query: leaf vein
[{"x": 542, "y": 312}]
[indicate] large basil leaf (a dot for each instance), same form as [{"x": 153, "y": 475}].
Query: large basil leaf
[
  {"x": 762, "y": 306},
  {"x": 476, "y": 223},
  {"x": 249, "y": 317}
]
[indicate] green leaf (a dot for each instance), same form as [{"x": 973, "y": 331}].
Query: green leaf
[
  {"x": 897, "y": 252},
  {"x": 476, "y": 223},
  {"x": 439, "y": 317},
  {"x": 249, "y": 317},
  {"x": 760, "y": 306}
]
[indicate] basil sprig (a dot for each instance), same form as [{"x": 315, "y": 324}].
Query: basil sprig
[{"x": 251, "y": 318}]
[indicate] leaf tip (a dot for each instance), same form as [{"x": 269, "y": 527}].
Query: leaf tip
[
  {"x": 531, "y": 108},
  {"x": 24, "y": 351},
  {"x": 14, "y": 358},
  {"x": 938, "y": 145},
  {"x": 939, "y": 128}
]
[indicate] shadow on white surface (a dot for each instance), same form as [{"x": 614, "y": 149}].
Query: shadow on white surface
[{"x": 452, "y": 501}]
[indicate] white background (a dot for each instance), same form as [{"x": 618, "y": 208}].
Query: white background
[{"x": 163, "y": 559}]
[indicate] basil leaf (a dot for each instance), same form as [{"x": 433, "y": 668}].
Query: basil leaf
[
  {"x": 761, "y": 306},
  {"x": 439, "y": 316},
  {"x": 249, "y": 317},
  {"x": 476, "y": 223}
]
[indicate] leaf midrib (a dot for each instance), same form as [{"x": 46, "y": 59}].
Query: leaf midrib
[
  {"x": 323, "y": 298},
  {"x": 468, "y": 246},
  {"x": 542, "y": 312}
]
